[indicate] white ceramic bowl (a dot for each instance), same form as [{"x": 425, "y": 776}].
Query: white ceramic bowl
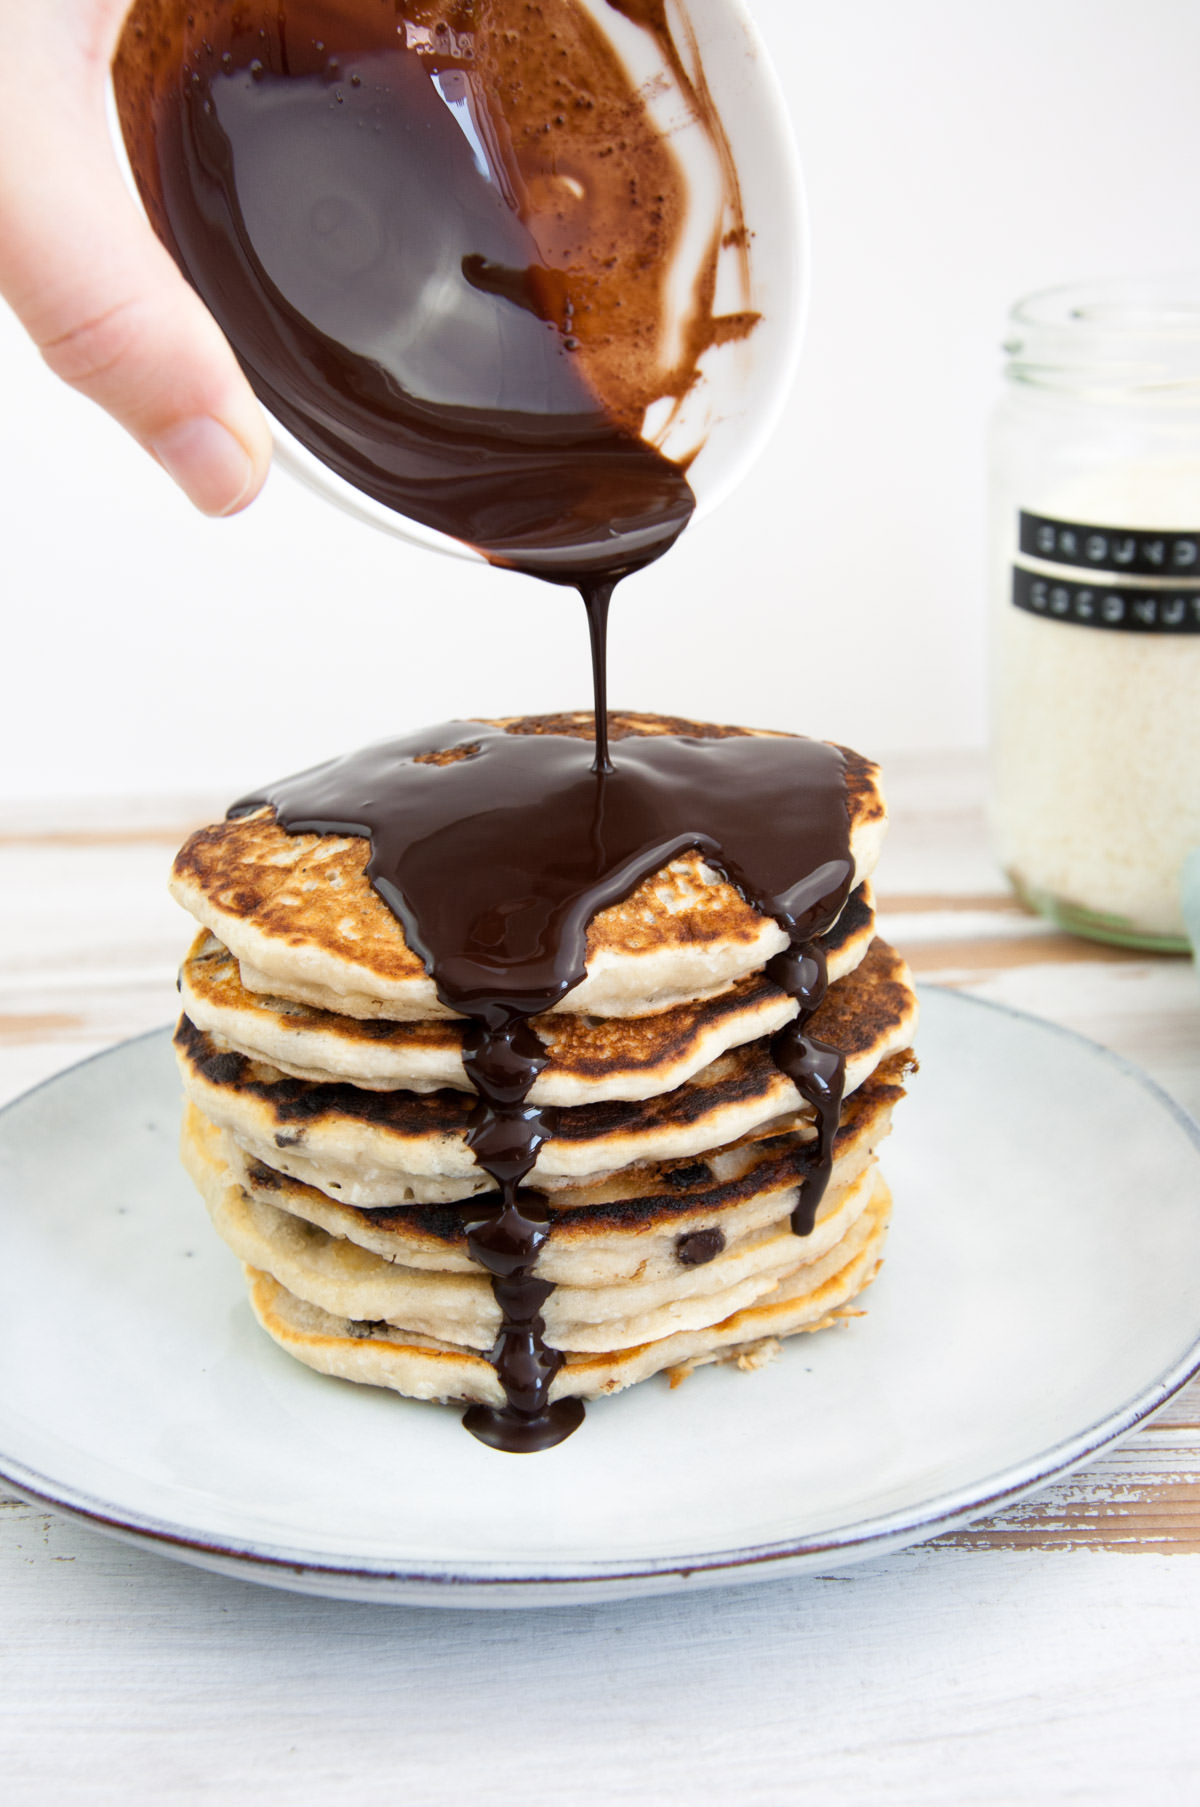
[{"x": 746, "y": 383}]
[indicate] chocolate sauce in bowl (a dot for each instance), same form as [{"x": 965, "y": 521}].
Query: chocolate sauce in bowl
[
  {"x": 496, "y": 850},
  {"x": 440, "y": 251}
]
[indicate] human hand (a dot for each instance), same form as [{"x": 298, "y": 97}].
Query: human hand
[{"x": 88, "y": 279}]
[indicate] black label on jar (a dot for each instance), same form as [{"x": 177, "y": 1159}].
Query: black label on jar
[
  {"x": 1101, "y": 605},
  {"x": 1128, "y": 551}
]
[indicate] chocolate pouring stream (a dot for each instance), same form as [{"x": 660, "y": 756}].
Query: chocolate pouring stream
[{"x": 438, "y": 238}]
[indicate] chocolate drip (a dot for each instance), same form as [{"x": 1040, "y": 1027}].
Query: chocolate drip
[
  {"x": 496, "y": 850},
  {"x": 507, "y": 1242},
  {"x": 503, "y": 1056},
  {"x": 817, "y": 1071}
]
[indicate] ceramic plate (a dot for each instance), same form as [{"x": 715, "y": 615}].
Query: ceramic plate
[{"x": 1041, "y": 1295}]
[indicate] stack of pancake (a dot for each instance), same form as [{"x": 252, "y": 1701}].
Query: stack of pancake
[{"x": 329, "y": 1106}]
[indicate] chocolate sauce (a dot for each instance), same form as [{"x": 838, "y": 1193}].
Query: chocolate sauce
[
  {"x": 507, "y": 1242},
  {"x": 818, "y": 1072},
  {"x": 430, "y": 250},
  {"x": 496, "y": 850},
  {"x": 596, "y": 598}
]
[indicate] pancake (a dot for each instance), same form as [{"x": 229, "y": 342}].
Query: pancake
[
  {"x": 382, "y": 1148},
  {"x": 419, "y": 1367},
  {"x": 349, "y": 1282},
  {"x": 590, "y": 1059},
  {"x": 742, "y": 1191},
  {"x": 303, "y": 921},
  {"x": 709, "y": 1186}
]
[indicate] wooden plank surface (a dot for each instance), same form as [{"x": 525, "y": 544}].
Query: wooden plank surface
[{"x": 1048, "y": 1653}]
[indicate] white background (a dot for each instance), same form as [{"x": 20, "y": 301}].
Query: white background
[{"x": 956, "y": 157}]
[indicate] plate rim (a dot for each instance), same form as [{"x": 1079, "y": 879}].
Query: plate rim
[{"x": 462, "y": 1581}]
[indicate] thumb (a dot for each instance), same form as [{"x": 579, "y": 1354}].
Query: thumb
[{"x": 85, "y": 274}]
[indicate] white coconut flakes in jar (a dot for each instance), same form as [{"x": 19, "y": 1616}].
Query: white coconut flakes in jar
[{"x": 1096, "y": 613}]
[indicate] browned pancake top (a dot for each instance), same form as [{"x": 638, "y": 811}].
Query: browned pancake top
[{"x": 589, "y": 1048}]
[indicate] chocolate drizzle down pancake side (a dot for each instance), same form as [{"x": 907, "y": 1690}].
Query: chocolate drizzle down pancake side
[
  {"x": 441, "y": 241},
  {"x": 495, "y": 851}
]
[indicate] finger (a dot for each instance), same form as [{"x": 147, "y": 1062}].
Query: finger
[{"x": 98, "y": 293}]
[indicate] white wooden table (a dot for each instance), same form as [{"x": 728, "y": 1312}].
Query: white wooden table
[{"x": 1049, "y": 1654}]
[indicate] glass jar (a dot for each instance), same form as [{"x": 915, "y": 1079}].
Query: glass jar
[{"x": 1096, "y": 610}]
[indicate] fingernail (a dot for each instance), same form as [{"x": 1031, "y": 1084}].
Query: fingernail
[{"x": 208, "y": 463}]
